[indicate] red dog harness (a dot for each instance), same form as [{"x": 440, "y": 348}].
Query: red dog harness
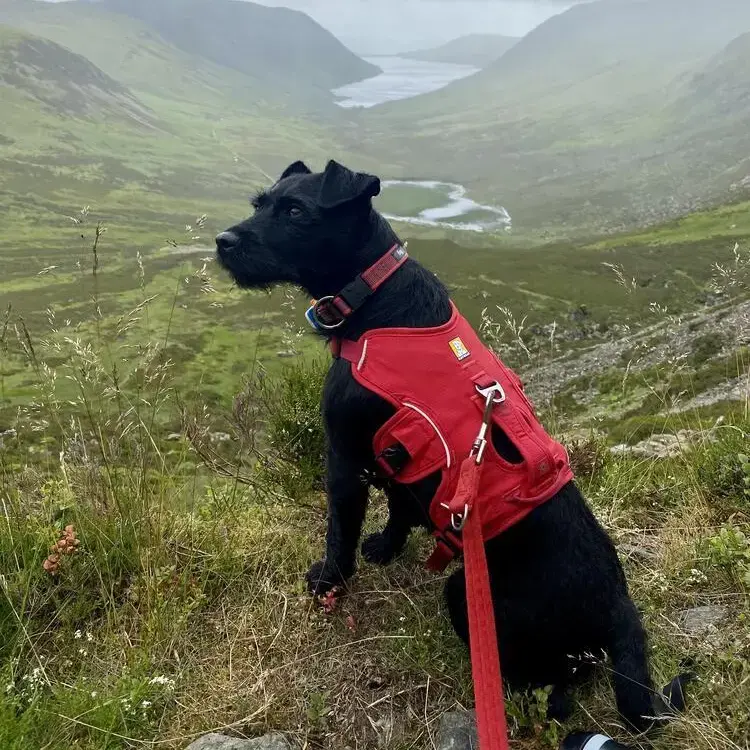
[
  {"x": 450, "y": 392},
  {"x": 440, "y": 381}
]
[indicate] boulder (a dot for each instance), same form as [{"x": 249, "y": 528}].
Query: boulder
[
  {"x": 698, "y": 620},
  {"x": 457, "y": 731},
  {"x": 222, "y": 742}
]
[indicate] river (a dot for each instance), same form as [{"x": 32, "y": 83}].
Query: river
[
  {"x": 401, "y": 79},
  {"x": 423, "y": 202}
]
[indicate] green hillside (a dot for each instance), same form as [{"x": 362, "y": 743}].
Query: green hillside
[
  {"x": 573, "y": 127},
  {"x": 217, "y": 131},
  {"x": 473, "y": 49},
  {"x": 284, "y": 47},
  {"x": 722, "y": 86},
  {"x": 133, "y": 52},
  {"x": 105, "y": 115},
  {"x": 64, "y": 82}
]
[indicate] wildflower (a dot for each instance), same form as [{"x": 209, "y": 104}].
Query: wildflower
[
  {"x": 66, "y": 545},
  {"x": 78, "y": 635},
  {"x": 162, "y": 680},
  {"x": 330, "y": 600},
  {"x": 697, "y": 577}
]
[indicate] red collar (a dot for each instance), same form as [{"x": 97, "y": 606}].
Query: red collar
[{"x": 329, "y": 313}]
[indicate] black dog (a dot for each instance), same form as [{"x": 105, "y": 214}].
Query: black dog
[{"x": 558, "y": 588}]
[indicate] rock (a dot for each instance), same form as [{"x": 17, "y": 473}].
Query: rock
[
  {"x": 6, "y": 435},
  {"x": 667, "y": 446},
  {"x": 457, "y": 731},
  {"x": 638, "y": 552},
  {"x": 698, "y": 620},
  {"x": 173, "y": 436},
  {"x": 221, "y": 742},
  {"x": 736, "y": 389}
]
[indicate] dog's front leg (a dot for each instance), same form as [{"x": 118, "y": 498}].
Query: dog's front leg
[{"x": 347, "y": 504}]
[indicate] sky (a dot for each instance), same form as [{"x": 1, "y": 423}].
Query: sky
[
  {"x": 384, "y": 27},
  {"x": 391, "y": 26}
]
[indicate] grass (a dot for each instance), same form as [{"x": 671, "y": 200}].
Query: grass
[
  {"x": 181, "y": 610},
  {"x": 196, "y": 512}
]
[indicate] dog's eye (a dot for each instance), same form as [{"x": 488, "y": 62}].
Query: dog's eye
[{"x": 294, "y": 212}]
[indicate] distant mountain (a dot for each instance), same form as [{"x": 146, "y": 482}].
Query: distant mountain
[
  {"x": 80, "y": 81},
  {"x": 478, "y": 50},
  {"x": 130, "y": 52},
  {"x": 64, "y": 82},
  {"x": 284, "y": 47},
  {"x": 582, "y": 123},
  {"x": 140, "y": 47},
  {"x": 714, "y": 111},
  {"x": 722, "y": 86}
]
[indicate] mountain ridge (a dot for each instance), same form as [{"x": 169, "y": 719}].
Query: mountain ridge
[
  {"x": 64, "y": 81},
  {"x": 478, "y": 50},
  {"x": 584, "y": 105},
  {"x": 286, "y": 42}
]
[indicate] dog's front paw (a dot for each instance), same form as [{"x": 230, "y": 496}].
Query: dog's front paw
[
  {"x": 321, "y": 579},
  {"x": 377, "y": 550}
]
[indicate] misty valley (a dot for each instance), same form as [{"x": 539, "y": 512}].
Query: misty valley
[{"x": 574, "y": 175}]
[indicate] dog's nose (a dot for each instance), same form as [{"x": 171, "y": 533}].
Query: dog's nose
[{"x": 226, "y": 241}]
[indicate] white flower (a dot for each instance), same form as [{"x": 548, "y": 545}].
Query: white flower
[
  {"x": 78, "y": 635},
  {"x": 145, "y": 704},
  {"x": 89, "y": 637},
  {"x": 162, "y": 680}
]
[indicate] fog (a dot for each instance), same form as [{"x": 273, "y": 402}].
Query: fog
[
  {"x": 385, "y": 27},
  {"x": 373, "y": 27}
]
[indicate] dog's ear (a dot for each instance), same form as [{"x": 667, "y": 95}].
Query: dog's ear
[
  {"x": 299, "y": 167},
  {"x": 341, "y": 186}
]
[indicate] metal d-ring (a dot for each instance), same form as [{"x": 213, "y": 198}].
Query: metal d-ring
[
  {"x": 490, "y": 392},
  {"x": 458, "y": 520},
  {"x": 320, "y": 323}
]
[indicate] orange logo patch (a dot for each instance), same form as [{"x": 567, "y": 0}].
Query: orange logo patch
[{"x": 459, "y": 349}]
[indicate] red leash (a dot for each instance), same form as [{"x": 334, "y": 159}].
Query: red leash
[{"x": 485, "y": 656}]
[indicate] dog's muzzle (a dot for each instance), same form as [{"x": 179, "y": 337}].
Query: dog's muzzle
[{"x": 225, "y": 242}]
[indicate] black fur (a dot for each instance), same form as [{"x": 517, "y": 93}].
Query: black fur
[{"x": 558, "y": 587}]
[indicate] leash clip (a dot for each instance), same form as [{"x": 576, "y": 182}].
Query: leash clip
[{"x": 477, "y": 449}]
